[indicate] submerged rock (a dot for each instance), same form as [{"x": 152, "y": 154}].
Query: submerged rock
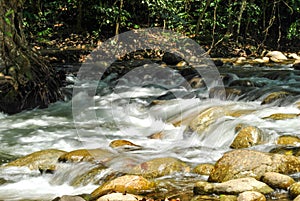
[
  {"x": 248, "y": 163},
  {"x": 234, "y": 186},
  {"x": 87, "y": 155},
  {"x": 159, "y": 167},
  {"x": 45, "y": 159},
  {"x": 247, "y": 136},
  {"x": 277, "y": 180},
  {"x": 125, "y": 184}
]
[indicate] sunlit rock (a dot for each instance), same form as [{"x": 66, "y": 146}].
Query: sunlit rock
[
  {"x": 120, "y": 196},
  {"x": 288, "y": 140},
  {"x": 249, "y": 163},
  {"x": 125, "y": 184},
  {"x": 45, "y": 159},
  {"x": 87, "y": 155},
  {"x": 274, "y": 96},
  {"x": 247, "y": 136},
  {"x": 261, "y": 60},
  {"x": 251, "y": 196},
  {"x": 282, "y": 116},
  {"x": 234, "y": 186},
  {"x": 276, "y": 56},
  {"x": 293, "y": 56},
  {"x": 203, "y": 169},
  {"x": 277, "y": 180},
  {"x": 159, "y": 167},
  {"x": 294, "y": 190},
  {"x": 224, "y": 197},
  {"x": 240, "y": 61}
]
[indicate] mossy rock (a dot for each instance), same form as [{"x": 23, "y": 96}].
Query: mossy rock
[
  {"x": 124, "y": 145},
  {"x": 125, "y": 184},
  {"x": 287, "y": 150},
  {"x": 87, "y": 155},
  {"x": 160, "y": 167},
  {"x": 288, "y": 140},
  {"x": 294, "y": 190},
  {"x": 282, "y": 116},
  {"x": 249, "y": 163},
  {"x": 247, "y": 136},
  {"x": 45, "y": 159}
]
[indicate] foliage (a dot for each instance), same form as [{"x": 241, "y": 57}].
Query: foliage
[{"x": 262, "y": 21}]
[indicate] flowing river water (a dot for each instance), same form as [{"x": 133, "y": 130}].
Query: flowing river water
[{"x": 131, "y": 114}]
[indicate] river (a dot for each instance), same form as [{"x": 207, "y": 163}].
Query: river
[{"x": 131, "y": 114}]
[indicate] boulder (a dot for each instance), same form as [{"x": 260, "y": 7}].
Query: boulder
[
  {"x": 282, "y": 116},
  {"x": 45, "y": 159},
  {"x": 120, "y": 196},
  {"x": 276, "y": 56},
  {"x": 294, "y": 56},
  {"x": 277, "y": 180},
  {"x": 261, "y": 60},
  {"x": 203, "y": 169},
  {"x": 294, "y": 190},
  {"x": 228, "y": 197},
  {"x": 288, "y": 140},
  {"x": 249, "y": 163},
  {"x": 87, "y": 155},
  {"x": 247, "y": 136},
  {"x": 234, "y": 187},
  {"x": 251, "y": 196},
  {"x": 125, "y": 184},
  {"x": 160, "y": 167}
]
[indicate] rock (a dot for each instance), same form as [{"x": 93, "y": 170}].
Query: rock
[
  {"x": 294, "y": 190},
  {"x": 274, "y": 96},
  {"x": 206, "y": 198},
  {"x": 159, "y": 167},
  {"x": 228, "y": 198},
  {"x": 120, "y": 196},
  {"x": 295, "y": 151},
  {"x": 124, "y": 145},
  {"x": 171, "y": 58},
  {"x": 298, "y": 104},
  {"x": 251, "y": 196},
  {"x": 196, "y": 82},
  {"x": 218, "y": 62},
  {"x": 69, "y": 198},
  {"x": 276, "y": 56},
  {"x": 277, "y": 180},
  {"x": 234, "y": 186},
  {"x": 203, "y": 169},
  {"x": 261, "y": 60},
  {"x": 128, "y": 183},
  {"x": 87, "y": 155},
  {"x": 230, "y": 93},
  {"x": 282, "y": 116},
  {"x": 247, "y": 136},
  {"x": 296, "y": 64},
  {"x": 244, "y": 163},
  {"x": 206, "y": 118},
  {"x": 240, "y": 61},
  {"x": 288, "y": 140},
  {"x": 46, "y": 159},
  {"x": 294, "y": 56}
]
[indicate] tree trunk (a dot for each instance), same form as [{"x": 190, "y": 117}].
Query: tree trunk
[
  {"x": 26, "y": 82},
  {"x": 199, "y": 21}
]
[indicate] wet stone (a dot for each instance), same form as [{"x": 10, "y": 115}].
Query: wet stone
[
  {"x": 203, "y": 169},
  {"x": 288, "y": 140},
  {"x": 251, "y": 196},
  {"x": 294, "y": 190},
  {"x": 282, "y": 116},
  {"x": 247, "y": 136}
]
